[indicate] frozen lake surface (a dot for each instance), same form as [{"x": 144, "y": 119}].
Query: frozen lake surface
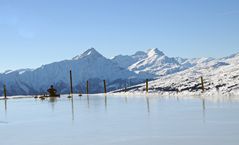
[{"x": 119, "y": 120}]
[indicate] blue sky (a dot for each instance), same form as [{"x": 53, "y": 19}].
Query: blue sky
[{"x": 35, "y": 32}]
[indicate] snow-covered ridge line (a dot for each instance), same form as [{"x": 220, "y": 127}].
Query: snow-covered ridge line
[{"x": 170, "y": 74}]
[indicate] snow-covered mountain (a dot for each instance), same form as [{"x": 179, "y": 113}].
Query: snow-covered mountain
[
  {"x": 221, "y": 77},
  {"x": 90, "y": 65},
  {"x": 168, "y": 74},
  {"x": 155, "y": 62}
]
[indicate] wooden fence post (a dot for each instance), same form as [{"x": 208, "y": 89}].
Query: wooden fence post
[
  {"x": 105, "y": 89},
  {"x": 71, "y": 91},
  {"x": 87, "y": 87},
  {"x": 125, "y": 87},
  {"x": 202, "y": 82},
  {"x": 147, "y": 85},
  {"x": 5, "y": 91}
]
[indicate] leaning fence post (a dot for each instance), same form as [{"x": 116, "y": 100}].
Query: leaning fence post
[
  {"x": 202, "y": 83},
  {"x": 105, "y": 89},
  {"x": 147, "y": 85}
]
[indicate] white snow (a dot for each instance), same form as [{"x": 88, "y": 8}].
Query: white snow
[
  {"x": 173, "y": 75},
  {"x": 156, "y": 63},
  {"x": 89, "y": 65},
  {"x": 221, "y": 77}
]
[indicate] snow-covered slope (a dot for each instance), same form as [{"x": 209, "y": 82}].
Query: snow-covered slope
[
  {"x": 157, "y": 63},
  {"x": 90, "y": 66},
  {"x": 221, "y": 77}
]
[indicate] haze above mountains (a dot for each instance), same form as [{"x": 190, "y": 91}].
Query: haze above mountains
[{"x": 120, "y": 71}]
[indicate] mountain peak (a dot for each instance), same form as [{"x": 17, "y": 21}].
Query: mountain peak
[
  {"x": 155, "y": 51},
  {"x": 89, "y": 52}
]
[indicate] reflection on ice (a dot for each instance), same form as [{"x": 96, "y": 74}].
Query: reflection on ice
[
  {"x": 5, "y": 104},
  {"x": 203, "y": 109},
  {"x": 52, "y": 101},
  {"x": 72, "y": 109},
  {"x": 148, "y": 107},
  {"x": 88, "y": 101},
  {"x": 105, "y": 102}
]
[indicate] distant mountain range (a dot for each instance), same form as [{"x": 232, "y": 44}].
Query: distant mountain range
[
  {"x": 120, "y": 71},
  {"x": 90, "y": 65}
]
